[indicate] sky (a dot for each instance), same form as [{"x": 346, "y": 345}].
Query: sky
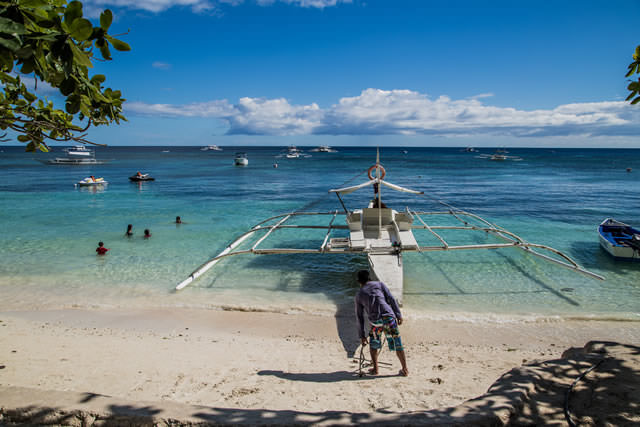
[{"x": 361, "y": 73}]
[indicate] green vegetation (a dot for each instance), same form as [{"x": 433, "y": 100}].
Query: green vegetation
[
  {"x": 634, "y": 86},
  {"x": 50, "y": 41}
]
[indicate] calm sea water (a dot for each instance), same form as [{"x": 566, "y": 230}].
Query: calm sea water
[{"x": 50, "y": 230}]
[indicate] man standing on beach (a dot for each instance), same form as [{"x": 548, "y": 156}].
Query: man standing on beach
[{"x": 384, "y": 316}]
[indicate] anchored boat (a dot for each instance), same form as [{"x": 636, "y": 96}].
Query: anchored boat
[
  {"x": 619, "y": 239},
  {"x": 78, "y": 155},
  {"x": 91, "y": 182},
  {"x": 382, "y": 234}
]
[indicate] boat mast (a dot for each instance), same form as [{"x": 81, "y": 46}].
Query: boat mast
[{"x": 379, "y": 195}]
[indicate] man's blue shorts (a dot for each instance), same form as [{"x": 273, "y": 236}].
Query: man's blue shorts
[{"x": 389, "y": 326}]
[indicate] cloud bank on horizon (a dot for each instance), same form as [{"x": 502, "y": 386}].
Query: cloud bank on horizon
[{"x": 404, "y": 112}]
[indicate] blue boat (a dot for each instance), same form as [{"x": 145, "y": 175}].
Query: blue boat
[{"x": 619, "y": 239}]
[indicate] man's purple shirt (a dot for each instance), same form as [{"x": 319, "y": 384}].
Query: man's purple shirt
[{"x": 376, "y": 299}]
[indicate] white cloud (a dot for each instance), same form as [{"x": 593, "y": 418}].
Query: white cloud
[
  {"x": 93, "y": 8},
  {"x": 319, "y": 4},
  {"x": 405, "y": 112},
  {"x": 203, "y": 109},
  {"x": 161, "y": 65}
]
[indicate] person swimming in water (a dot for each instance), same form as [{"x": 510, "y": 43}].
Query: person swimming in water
[
  {"x": 178, "y": 220},
  {"x": 147, "y": 233},
  {"x": 101, "y": 250},
  {"x": 129, "y": 231}
]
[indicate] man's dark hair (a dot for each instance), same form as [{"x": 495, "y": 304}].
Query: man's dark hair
[{"x": 363, "y": 276}]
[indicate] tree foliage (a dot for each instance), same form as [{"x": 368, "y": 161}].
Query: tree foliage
[
  {"x": 52, "y": 42},
  {"x": 634, "y": 86}
]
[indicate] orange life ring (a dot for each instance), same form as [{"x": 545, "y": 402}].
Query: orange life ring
[{"x": 383, "y": 173}]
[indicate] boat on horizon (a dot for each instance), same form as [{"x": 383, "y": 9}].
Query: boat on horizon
[
  {"x": 78, "y": 155},
  {"x": 324, "y": 149},
  {"x": 620, "y": 240},
  {"x": 211, "y": 148},
  {"x": 241, "y": 159},
  {"x": 382, "y": 234},
  {"x": 499, "y": 155}
]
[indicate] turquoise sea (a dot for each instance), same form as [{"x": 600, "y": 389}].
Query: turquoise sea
[{"x": 50, "y": 230}]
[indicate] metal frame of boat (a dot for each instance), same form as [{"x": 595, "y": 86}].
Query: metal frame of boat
[
  {"x": 383, "y": 234},
  {"x": 620, "y": 240}
]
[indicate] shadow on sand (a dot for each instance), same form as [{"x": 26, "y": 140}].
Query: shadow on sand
[{"x": 534, "y": 394}]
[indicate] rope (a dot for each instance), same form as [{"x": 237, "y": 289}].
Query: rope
[
  {"x": 314, "y": 202},
  {"x": 567, "y": 414},
  {"x": 363, "y": 362}
]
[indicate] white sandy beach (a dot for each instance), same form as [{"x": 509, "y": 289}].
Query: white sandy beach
[{"x": 273, "y": 362}]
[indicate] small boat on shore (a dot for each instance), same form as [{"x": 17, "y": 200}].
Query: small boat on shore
[
  {"x": 620, "y": 240},
  {"x": 91, "y": 182},
  {"x": 140, "y": 177},
  {"x": 241, "y": 159}
]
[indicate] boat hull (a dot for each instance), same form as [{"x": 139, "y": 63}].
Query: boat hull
[
  {"x": 387, "y": 268},
  {"x": 136, "y": 179}
]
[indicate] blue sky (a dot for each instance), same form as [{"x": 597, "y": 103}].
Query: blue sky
[{"x": 426, "y": 73}]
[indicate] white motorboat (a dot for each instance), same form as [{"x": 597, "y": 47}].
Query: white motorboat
[
  {"x": 91, "y": 182},
  {"x": 241, "y": 159},
  {"x": 294, "y": 152},
  {"x": 324, "y": 149},
  {"x": 620, "y": 240},
  {"x": 211, "y": 148},
  {"x": 382, "y": 234},
  {"x": 500, "y": 155},
  {"x": 77, "y": 155}
]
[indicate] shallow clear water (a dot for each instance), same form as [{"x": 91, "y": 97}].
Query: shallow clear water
[{"x": 552, "y": 197}]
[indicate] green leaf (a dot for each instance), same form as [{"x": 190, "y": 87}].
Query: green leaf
[
  {"x": 9, "y": 26},
  {"x": 119, "y": 44},
  {"x": 73, "y": 12},
  {"x": 635, "y": 101},
  {"x": 98, "y": 78},
  {"x": 31, "y": 147},
  {"x": 24, "y": 138},
  {"x": 43, "y": 148},
  {"x": 30, "y": 97},
  {"x": 11, "y": 44},
  {"x": 81, "y": 29},
  {"x": 105, "y": 19},
  {"x": 104, "y": 50},
  {"x": 72, "y": 105},
  {"x": 632, "y": 69},
  {"x": 80, "y": 56},
  {"x": 27, "y": 67},
  {"x": 68, "y": 86},
  {"x": 24, "y": 52}
]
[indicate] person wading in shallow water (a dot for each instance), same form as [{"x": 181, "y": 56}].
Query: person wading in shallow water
[{"x": 384, "y": 315}]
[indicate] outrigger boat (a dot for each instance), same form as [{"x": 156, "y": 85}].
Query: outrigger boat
[
  {"x": 383, "y": 235},
  {"x": 499, "y": 156}
]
